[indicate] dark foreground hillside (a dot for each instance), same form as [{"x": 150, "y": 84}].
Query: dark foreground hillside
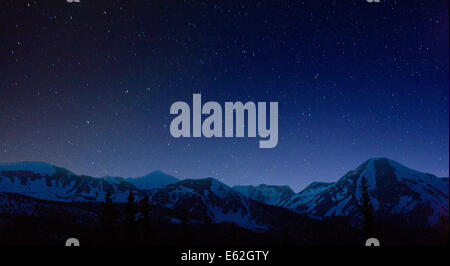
[{"x": 39, "y": 222}]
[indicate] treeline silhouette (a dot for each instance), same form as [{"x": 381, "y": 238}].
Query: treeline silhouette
[
  {"x": 133, "y": 223},
  {"x": 140, "y": 223}
]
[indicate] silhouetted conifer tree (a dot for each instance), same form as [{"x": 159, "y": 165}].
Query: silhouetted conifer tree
[
  {"x": 130, "y": 217},
  {"x": 130, "y": 210},
  {"x": 144, "y": 207},
  {"x": 366, "y": 209},
  {"x": 108, "y": 217}
]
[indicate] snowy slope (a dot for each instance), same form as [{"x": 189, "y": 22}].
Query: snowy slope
[
  {"x": 203, "y": 200},
  {"x": 396, "y": 190},
  {"x": 208, "y": 200},
  {"x": 272, "y": 195},
  {"x": 45, "y": 181},
  {"x": 306, "y": 195},
  {"x": 15, "y": 205},
  {"x": 40, "y": 168}
]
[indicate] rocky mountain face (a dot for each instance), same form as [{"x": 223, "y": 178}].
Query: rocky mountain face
[
  {"x": 208, "y": 200},
  {"x": 48, "y": 182},
  {"x": 271, "y": 195},
  {"x": 203, "y": 200},
  {"x": 45, "y": 181},
  {"x": 396, "y": 191}
]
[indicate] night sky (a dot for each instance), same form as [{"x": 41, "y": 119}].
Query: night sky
[{"x": 89, "y": 86}]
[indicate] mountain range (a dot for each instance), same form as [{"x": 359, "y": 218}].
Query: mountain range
[{"x": 397, "y": 192}]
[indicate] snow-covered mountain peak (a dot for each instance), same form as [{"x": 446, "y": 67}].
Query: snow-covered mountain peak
[
  {"x": 385, "y": 172},
  {"x": 45, "y": 181},
  {"x": 40, "y": 168},
  {"x": 394, "y": 189}
]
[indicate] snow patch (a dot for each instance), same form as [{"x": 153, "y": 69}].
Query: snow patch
[{"x": 35, "y": 167}]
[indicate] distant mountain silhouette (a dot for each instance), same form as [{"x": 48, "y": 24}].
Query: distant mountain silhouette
[
  {"x": 153, "y": 180},
  {"x": 396, "y": 191}
]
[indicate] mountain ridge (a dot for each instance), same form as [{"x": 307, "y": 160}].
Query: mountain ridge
[{"x": 395, "y": 189}]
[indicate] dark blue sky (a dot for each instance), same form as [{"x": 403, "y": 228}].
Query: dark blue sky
[{"x": 88, "y": 86}]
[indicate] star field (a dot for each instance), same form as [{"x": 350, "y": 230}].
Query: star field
[{"x": 89, "y": 86}]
